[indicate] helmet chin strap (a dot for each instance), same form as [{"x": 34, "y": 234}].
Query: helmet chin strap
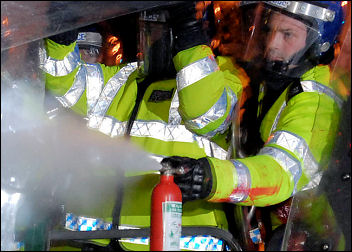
[
  {"x": 277, "y": 66},
  {"x": 278, "y": 73}
]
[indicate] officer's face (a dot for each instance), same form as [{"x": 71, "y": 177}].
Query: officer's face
[
  {"x": 286, "y": 36},
  {"x": 89, "y": 57}
]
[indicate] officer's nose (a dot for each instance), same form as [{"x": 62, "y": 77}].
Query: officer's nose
[
  {"x": 274, "y": 41},
  {"x": 274, "y": 44}
]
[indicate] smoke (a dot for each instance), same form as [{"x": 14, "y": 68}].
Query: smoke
[{"x": 50, "y": 161}]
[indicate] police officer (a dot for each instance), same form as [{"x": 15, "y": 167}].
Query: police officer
[
  {"x": 89, "y": 42},
  {"x": 177, "y": 101},
  {"x": 291, "y": 120}
]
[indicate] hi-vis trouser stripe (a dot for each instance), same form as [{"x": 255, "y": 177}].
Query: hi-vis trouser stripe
[{"x": 299, "y": 147}]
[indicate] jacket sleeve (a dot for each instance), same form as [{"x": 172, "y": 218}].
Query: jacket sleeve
[
  {"x": 292, "y": 159},
  {"x": 88, "y": 89},
  {"x": 208, "y": 92}
]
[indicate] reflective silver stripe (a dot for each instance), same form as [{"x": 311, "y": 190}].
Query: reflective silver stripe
[
  {"x": 226, "y": 123},
  {"x": 273, "y": 127},
  {"x": 179, "y": 133},
  {"x": 87, "y": 74},
  {"x": 161, "y": 131},
  {"x": 95, "y": 84},
  {"x": 77, "y": 89},
  {"x": 174, "y": 116},
  {"x": 313, "y": 86},
  {"x": 286, "y": 161},
  {"x": 82, "y": 223},
  {"x": 217, "y": 111},
  {"x": 157, "y": 158},
  {"x": 314, "y": 181},
  {"x": 243, "y": 178},
  {"x": 107, "y": 95},
  {"x": 300, "y": 148},
  {"x": 300, "y": 8},
  {"x": 112, "y": 127},
  {"x": 56, "y": 67},
  {"x": 211, "y": 149},
  {"x": 196, "y": 71}
]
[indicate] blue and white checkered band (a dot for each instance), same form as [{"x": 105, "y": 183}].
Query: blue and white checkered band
[
  {"x": 198, "y": 243},
  {"x": 202, "y": 243},
  {"x": 255, "y": 235},
  {"x": 81, "y": 36},
  {"x": 81, "y": 223}
]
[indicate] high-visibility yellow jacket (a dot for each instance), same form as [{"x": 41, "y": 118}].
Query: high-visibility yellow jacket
[
  {"x": 299, "y": 135},
  {"x": 191, "y": 118}
]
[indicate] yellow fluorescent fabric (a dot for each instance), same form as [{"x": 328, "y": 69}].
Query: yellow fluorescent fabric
[{"x": 311, "y": 116}]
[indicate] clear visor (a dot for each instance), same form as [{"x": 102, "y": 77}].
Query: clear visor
[
  {"x": 278, "y": 39},
  {"x": 90, "y": 54},
  {"x": 91, "y": 51},
  {"x": 154, "y": 37}
]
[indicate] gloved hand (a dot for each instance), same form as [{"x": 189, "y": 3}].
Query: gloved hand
[
  {"x": 193, "y": 176},
  {"x": 59, "y": 12},
  {"x": 187, "y": 30}
]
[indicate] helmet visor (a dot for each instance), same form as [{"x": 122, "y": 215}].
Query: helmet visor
[
  {"x": 155, "y": 43},
  {"x": 282, "y": 41}
]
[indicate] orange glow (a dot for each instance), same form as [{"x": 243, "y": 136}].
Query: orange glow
[
  {"x": 139, "y": 55},
  {"x": 118, "y": 58},
  {"x": 5, "y": 21},
  {"x": 7, "y": 33},
  {"x": 337, "y": 51},
  {"x": 112, "y": 40},
  {"x": 215, "y": 43},
  {"x": 200, "y": 7},
  {"x": 217, "y": 10},
  {"x": 116, "y": 48},
  {"x": 344, "y": 3},
  {"x": 343, "y": 90}
]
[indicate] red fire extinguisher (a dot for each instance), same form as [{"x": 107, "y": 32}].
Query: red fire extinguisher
[{"x": 166, "y": 213}]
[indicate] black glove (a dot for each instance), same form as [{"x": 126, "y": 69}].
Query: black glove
[
  {"x": 59, "y": 12},
  {"x": 193, "y": 176},
  {"x": 187, "y": 30}
]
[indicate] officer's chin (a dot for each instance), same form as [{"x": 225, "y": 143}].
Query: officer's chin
[{"x": 89, "y": 60}]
